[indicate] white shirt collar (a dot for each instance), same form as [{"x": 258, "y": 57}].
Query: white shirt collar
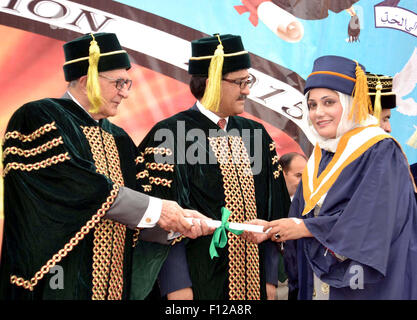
[
  {"x": 76, "y": 101},
  {"x": 209, "y": 114}
]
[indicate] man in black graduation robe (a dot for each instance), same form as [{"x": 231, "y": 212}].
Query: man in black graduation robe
[
  {"x": 190, "y": 159},
  {"x": 72, "y": 213}
]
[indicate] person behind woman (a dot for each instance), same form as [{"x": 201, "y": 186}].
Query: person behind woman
[
  {"x": 292, "y": 164},
  {"x": 353, "y": 218}
]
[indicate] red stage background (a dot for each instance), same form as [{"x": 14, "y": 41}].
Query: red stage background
[{"x": 31, "y": 67}]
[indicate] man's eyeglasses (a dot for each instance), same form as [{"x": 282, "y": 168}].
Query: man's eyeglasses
[
  {"x": 242, "y": 83},
  {"x": 120, "y": 83}
]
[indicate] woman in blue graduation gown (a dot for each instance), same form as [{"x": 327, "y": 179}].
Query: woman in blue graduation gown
[{"x": 352, "y": 228}]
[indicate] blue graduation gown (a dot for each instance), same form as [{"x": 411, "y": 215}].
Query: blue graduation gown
[
  {"x": 413, "y": 169},
  {"x": 369, "y": 216}
]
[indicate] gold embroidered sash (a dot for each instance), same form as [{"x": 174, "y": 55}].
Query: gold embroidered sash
[
  {"x": 239, "y": 190},
  {"x": 109, "y": 236}
]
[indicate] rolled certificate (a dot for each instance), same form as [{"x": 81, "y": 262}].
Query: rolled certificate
[
  {"x": 284, "y": 24},
  {"x": 232, "y": 225}
]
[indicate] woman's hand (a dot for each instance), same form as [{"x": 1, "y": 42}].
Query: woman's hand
[
  {"x": 287, "y": 229},
  {"x": 255, "y": 237}
]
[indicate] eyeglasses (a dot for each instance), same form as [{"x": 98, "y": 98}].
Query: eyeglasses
[
  {"x": 120, "y": 83},
  {"x": 242, "y": 83}
]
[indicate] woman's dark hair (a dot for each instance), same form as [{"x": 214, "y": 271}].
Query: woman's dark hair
[{"x": 198, "y": 86}]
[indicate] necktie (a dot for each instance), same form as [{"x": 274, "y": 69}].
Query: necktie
[{"x": 222, "y": 123}]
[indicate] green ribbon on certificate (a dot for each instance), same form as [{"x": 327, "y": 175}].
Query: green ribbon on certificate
[{"x": 219, "y": 239}]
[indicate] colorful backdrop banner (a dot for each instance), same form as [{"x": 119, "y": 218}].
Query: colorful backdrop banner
[{"x": 283, "y": 38}]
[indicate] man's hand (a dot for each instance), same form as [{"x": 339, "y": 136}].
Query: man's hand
[
  {"x": 199, "y": 228},
  {"x": 172, "y": 219}
]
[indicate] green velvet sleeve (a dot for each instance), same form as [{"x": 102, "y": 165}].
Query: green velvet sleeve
[
  {"x": 156, "y": 176},
  {"x": 51, "y": 191}
]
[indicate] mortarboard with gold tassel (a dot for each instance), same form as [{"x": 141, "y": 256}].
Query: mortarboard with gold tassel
[
  {"x": 213, "y": 57},
  {"x": 91, "y": 54},
  {"x": 380, "y": 92}
]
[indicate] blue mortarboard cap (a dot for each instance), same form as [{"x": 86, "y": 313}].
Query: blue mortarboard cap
[{"x": 333, "y": 72}]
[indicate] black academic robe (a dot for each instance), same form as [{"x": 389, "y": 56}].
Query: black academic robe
[
  {"x": 181, "y": 157},
  {"x": 62, "y": 171}
]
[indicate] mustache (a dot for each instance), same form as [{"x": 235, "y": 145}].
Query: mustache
[{"x": 242, "y": 97}]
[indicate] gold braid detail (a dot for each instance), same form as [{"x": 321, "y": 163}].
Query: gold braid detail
[
  {"x": 109, "y": 236},
  {"x": 160, "y": 150},
  {"x": 178, "y": 239},
  {"x": 160, "y": 181},
  {"x": 136, "y": 237},
  {"x": 32, "y": 136},
  {"x": 140, "y": 159},
  {"x": 248, "y": 191},
  {"x": 37, "y": 165},
  {"x": 142, "y": 174},
  {"x": 30, "y": 284},
  {"x": 244, "y": 282},
  {"x": 160, "y": 166},
  {"x": 147, "y": 187},
  {"x": 34, "y": 151}
]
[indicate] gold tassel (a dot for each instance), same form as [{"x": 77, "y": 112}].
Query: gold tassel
[
  {"x": 211, "y": 98},
  {"x": 412, "y": 142},
  {"x": 377, "y": 104},
  {"x": 93, "y": 85},
  {"x": 361, "y": 105}
]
